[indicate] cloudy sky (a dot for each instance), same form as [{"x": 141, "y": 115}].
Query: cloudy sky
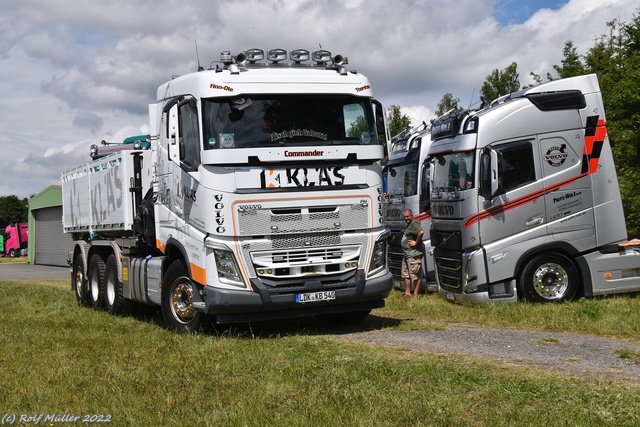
[{"x": 75, "y": 72}]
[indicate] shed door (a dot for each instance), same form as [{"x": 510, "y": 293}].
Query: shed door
[{"x": 52, "y": 245}]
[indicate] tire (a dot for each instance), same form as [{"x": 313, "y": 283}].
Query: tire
[
  {"x": 13, "y": 253},
  {"x": 549, "y": 277},
  {"x": 343, "y": 319},
  {"x": 114, "y": 299},
  {"x": 79, "y": 281},
  {"x": 178, "y": 295},
  {"x": 96, "y": 281}
]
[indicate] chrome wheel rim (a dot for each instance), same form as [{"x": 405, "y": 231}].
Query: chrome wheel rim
[
  {"x": 79, "y": 280},
  {"x": 94, "y": 286},
  {"x": 550, "y": 281},
  {"x": 182, "y": 300},
  {"x": 111, "y": 288}
]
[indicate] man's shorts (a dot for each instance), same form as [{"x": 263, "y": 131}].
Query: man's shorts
[{"x": 412, "y": 268}]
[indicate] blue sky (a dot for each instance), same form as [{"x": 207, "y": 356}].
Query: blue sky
[
  {"x": 73, "y": 76},
  {"x": 510, "y": 12}
]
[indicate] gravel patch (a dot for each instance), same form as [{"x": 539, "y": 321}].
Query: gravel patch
[{"x": 552, "y": 352}]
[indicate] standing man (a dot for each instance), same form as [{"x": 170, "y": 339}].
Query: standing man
[{"x": 412, "y": 251}]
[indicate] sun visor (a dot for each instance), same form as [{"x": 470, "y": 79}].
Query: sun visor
[{"x": 293, "y": 154}]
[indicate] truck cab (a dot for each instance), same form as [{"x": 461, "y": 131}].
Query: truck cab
[
  {"x": 256, "y": 196},
  {"x": 525, "y": 199},
  {"x": 16, "y": 239},
  {"x": 407, "y": 175}
]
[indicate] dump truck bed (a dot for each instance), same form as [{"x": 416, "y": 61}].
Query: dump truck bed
[{"x": 96, "y": 196}]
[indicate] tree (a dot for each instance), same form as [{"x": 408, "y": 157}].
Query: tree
[
  {"x": 500, "y": 83},
  {"x": 397, "y": 121},
  {"x": 12, "y": 210},
  {"x": 571, "y": 63},
  {"x": 615, "y": 58},
  {"x": 448, "y": 102},
  {"x": 357, "y": 127}
]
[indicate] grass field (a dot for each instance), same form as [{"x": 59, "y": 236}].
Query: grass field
[
  {"x": 18, "y": 260},
  {"x": 59, "y": 358}
]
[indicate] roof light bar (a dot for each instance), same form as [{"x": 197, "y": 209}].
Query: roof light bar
[
  {"x": 299, "y": 55},
  {"x": 322, "y": 56},
  {"x": 250, "y": 57},
  {"x": 254, "y": 55},
  {"x": 277, "y": 55}
]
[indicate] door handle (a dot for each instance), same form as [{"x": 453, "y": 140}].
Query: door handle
[{"x": 533, "y": 221}]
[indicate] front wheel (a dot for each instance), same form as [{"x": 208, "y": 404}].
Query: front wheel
[
  {"x": 178, "y": 295},
  {"x": 549, "y": 277}
]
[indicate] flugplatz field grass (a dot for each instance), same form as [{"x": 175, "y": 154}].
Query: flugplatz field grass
[{"x": 60, "y": 358}]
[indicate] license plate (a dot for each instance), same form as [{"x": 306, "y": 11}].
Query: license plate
[
  {"x": 315, "y": 296},
  {"x": 449, "y": 296}
]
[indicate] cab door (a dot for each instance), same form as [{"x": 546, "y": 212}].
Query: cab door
[{"x": 511, "y": 218}]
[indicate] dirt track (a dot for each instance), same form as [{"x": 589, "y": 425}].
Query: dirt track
[{"x": 561, "y": 352}]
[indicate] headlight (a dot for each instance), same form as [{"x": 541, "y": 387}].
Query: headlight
[
  {"x": 227, "y": 267},
  {"x": 379, "y": 257}
]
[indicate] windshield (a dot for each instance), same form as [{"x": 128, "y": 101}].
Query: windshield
[
  {"x": 403, "y": 179},
  {"x": 453, "y": 171},
  {"x": 287, "y": 120}
]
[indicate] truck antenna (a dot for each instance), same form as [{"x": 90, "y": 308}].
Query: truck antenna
[{"x": 198, "y": 56}]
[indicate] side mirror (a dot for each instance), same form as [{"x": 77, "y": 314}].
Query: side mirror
[
  {"x": 490, "y": 173},
  {"x": 381, "y": 121}
]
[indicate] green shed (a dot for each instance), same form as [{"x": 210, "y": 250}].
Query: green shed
[{"x": 48, "y": 245}]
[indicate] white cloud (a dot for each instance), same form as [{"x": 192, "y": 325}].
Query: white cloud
[{"x": 73, "y": 75}]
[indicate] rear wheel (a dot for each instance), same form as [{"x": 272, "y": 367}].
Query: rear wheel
[
  {"x": 79, "y": 281},
  {"x": 114, "y": 299},
  {"x": 96, "y": 281},
  {"x": 178, "y": 295},
  {"x": 549, "y": 277}
]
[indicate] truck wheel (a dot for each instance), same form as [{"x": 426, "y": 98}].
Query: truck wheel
[
  {"x": 13, "y": 253},
  {"x": 79, "y": 281},
  {"x": 114, "y": 298},
  {"x": 178, "y": 295},
  {"x": 343, "y": 319},
  {"x": 96, "y": 281},
  {"x": 549, "y": 277}
]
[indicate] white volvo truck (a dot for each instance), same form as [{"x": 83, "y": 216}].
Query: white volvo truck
[
  {"x": 407, "y": 174},
  {"x": 525, "y": 200},
  {"x": 258, "y": 195}
]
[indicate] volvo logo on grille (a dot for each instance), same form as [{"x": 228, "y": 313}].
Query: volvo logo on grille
[
  {"x": 243, "y": 208},
  {"x": 443, "y": 209}
]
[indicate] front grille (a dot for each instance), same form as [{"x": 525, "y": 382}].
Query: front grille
[
  {"x": 305, "y": 263},
  {"x": 301, "y": 240},
  {"x": 445, "y": 239},
  {"x": 395, "y": 263},
  {"x": 291, "y": 260},
  {"x": 394, "y": 254},
  {"x": 286, "y": 246},
  {"x": 266, "y": 221},
  {"x": 449, "y": 272}
]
